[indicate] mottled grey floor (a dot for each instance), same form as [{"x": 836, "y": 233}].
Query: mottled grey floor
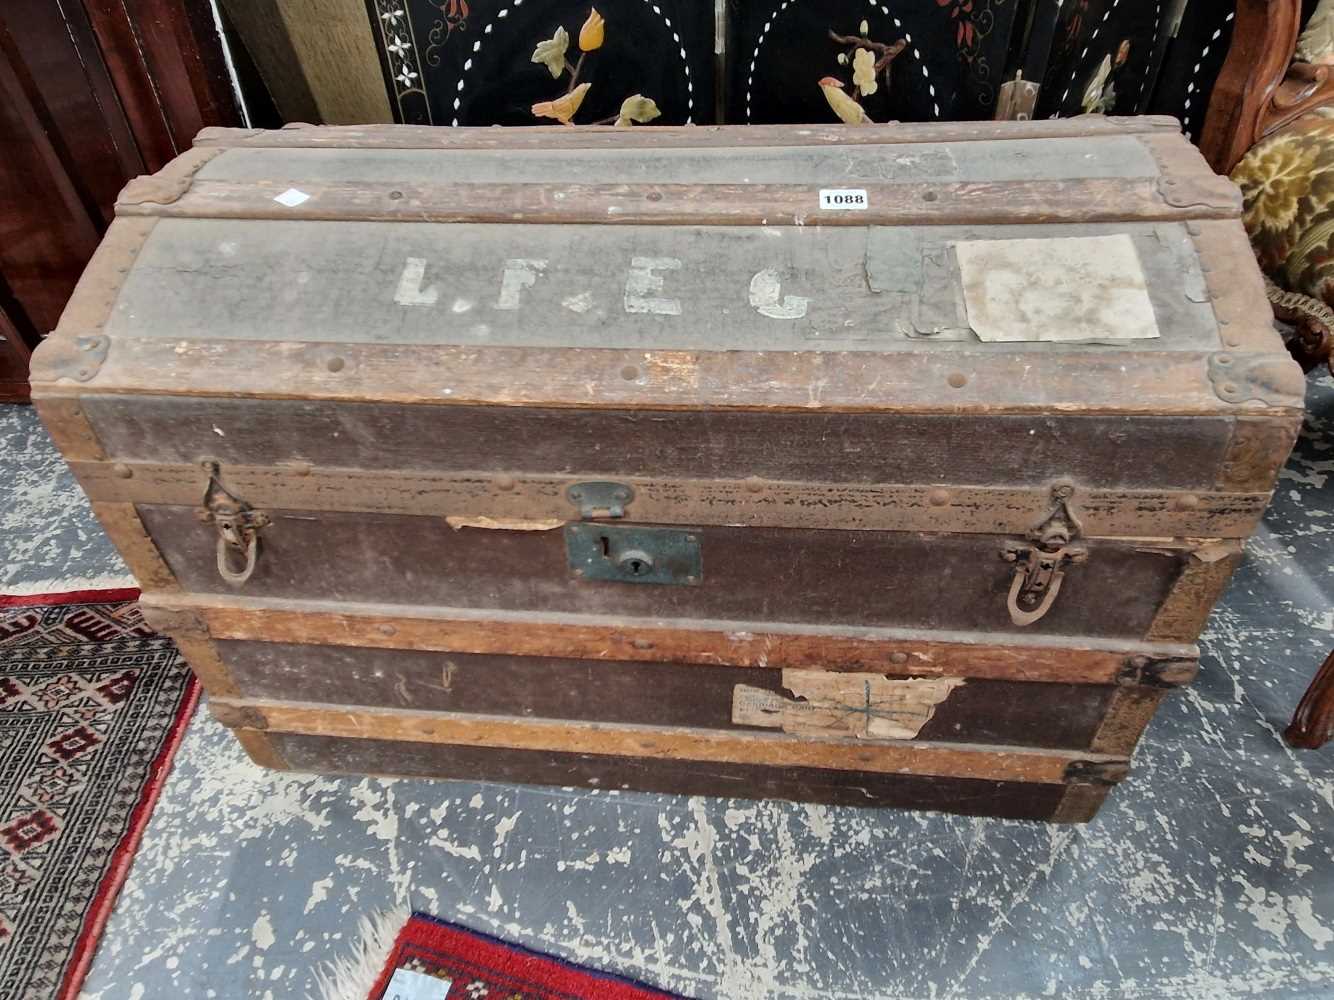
[{"x": 1209, "y": 875}]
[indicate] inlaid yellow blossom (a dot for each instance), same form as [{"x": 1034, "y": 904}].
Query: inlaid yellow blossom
[
  {"x": 552, "y": 52},
  {"x": 863, "y": 71},
  {"x": 562, "y": 108},
  {"x": 844, "y": 106},
  {"x": 636, "y": 108},
  {"x": 592, "y": 34}
]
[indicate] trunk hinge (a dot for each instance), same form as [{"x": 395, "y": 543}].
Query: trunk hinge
[
  {"x": 1040, "y": 562},
  {"x": 238, "y": 527}
]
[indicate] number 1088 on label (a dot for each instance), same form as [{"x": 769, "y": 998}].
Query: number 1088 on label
[{"x": 843, "y": 199}]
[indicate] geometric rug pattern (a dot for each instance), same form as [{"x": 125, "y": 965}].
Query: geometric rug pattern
[{"x": 92, "y": 706}]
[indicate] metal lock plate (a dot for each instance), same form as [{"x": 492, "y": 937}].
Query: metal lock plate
[{"x": 627, "y": 554}]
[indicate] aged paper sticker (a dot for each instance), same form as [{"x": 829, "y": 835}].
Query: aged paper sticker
[
  {"x": 843, "y": 199},
  {"x": 869, "y": 706},
  {"x": 1072, "y": 289},
  {"x": 460, "y": 521},
  {"x": 291, "y": 198}
]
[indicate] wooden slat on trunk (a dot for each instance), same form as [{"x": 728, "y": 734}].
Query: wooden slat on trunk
[{"x": 768, "y": 645}]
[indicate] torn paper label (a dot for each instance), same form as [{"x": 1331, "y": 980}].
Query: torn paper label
[
  {"x": 1073, "y": 289},
  {"x": 868, "y": 706},
  {"x": 460, "y": 521}
]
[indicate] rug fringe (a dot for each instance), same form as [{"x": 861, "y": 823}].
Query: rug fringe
[
  {"x": 351, "y": 977},
  {"x": 60, "y": 585}
]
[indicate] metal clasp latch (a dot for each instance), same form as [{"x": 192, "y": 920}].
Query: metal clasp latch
[
  {"x": 600, "y": 500},
  {"x": 1040, "y": 563},
  {"x": 238, "y": 527}
]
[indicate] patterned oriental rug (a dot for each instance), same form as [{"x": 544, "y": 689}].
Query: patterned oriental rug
[
  {"x": 93, "y": 705},
  {"x": 434, "y": 960}
]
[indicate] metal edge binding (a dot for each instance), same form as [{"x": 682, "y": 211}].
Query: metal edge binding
[
  {"x": 1272, "y": 379},
  {"x": 1163, "y": 672},
  {"x": 1097, "y": 772},
  {"x": 68, "y": 355}
]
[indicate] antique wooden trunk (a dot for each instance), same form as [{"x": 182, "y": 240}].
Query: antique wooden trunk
[{"x": 897, "y": 465}]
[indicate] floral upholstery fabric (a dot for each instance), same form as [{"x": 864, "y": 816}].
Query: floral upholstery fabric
[{"x": 1287, "y": 181}]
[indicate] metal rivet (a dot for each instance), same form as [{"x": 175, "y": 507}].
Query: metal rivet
[
  {"x": 898, "y": 657},
  {"x": 1194, "y": 228},
  {"x": 122, "y": 471},
  {"x": 691, "y": 538},
  {"x": 958, "y": 380},
  {"x": 578, "y": 572},
  {"x": 655, "y": 196},
  {"x": 89, "y": 343},
  {"x": 1188, "y": 501},
  {"x": 504, "y": 482},
  {"x": 83, "y": 373},
  {"x": 754, "y": 484},
  {"x": 302, "y": 468},
  {"x": 642, "y": 644},
  {"x": 387, "y": 629},
  {"x": 1223, "y": 359},
  {"x": 930, "y": 196},
  {"x": 629, "y": 373},
  {"x": 395, "y": 195},
  {"x": 1229, "y": 388},
  {"x": 1233, "y": 341},
  {"x": 336, "y": 364},
  {"x": 938, "y": 498}
]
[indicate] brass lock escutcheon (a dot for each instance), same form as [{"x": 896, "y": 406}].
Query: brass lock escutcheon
[
  {"x": 238, "y": 526},
  {"x": 1040, "y": 563}
]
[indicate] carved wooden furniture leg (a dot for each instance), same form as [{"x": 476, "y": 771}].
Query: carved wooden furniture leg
[
  {"x": 1312, "y": 342},
  {"x": 1313, "y": 722}
]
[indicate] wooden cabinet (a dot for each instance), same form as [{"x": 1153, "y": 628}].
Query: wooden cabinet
[{"x": 92, "y": 93}]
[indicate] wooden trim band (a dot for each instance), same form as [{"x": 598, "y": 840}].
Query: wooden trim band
[
  {"x": 1197, "y": 589},
  {"x": 1157, "y": 383},
  {"x": 751, "y": 503},
  {"x": 1080, "y": 803},
  {"x": 896, "y": 652},
  {"x": 260, "y": 749},
  {"x": 1087, "y": 200},
  {"x": 670, "y": 743},
  {"x": 70, "y": 429},
  {"x": 123, "y": 526},
  {"x": 93, "y": 297},
  {"x": 1128, "y": 715},
  {"x": 1257, "y": 450},
  {"x": 298, "y": 136}
]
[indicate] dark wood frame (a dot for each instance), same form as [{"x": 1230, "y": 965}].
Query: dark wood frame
[
  {"x": 1260, "y": 88},
  {"x": 94, "y": 93}
]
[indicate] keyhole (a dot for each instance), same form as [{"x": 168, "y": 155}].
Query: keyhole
[{"x": 636, "y": 562}]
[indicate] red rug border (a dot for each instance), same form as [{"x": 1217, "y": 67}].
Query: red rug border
[
  {"x": 113, "y": 879},
  {"x": 635, "y": 990},
  {"x": 114, "y": 596}
]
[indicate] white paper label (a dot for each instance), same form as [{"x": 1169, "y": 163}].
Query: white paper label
[
  {"x": 407, "y": 984},
  {"x": 291, "y": 198},
  {"x": 844, "y": 199}
]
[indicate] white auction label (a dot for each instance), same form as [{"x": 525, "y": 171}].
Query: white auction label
[
  {"x": 844, "y": 199},
  {"x": 408, "y": 984}
]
